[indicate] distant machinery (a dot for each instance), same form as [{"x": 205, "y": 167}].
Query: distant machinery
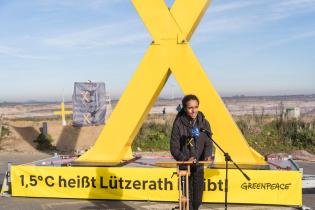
[{"x": 292, "y": 112}]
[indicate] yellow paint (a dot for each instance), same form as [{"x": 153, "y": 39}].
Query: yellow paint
[
  {"x": 63, "y": 112},
  {"x": 170, "y": 52},
  {"x": 280, "y": 187}
]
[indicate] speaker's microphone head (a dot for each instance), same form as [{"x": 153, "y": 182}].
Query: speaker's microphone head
[
  {"x": 195, "y": 132},
  {"x": 205, "y": 131}
]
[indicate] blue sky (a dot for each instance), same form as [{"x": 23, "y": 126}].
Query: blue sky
[{"x": 251, "y": 47}]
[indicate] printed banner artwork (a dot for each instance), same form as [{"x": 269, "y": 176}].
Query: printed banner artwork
[
  {"x": 154, "y": 184},
  {"x": 89, "y": 103}
]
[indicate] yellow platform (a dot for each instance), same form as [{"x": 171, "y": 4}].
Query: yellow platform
[{"x": 154, "y": 184}]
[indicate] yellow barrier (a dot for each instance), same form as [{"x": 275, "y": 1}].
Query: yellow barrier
[{"x": 154, "y": 184}]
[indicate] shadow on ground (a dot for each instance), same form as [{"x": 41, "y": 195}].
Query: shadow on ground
[
  {"x": 68, "y": 138},
  {"x": 309, "y": 191}
]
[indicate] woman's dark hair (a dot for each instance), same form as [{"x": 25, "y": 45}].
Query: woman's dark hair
[{"x": 188, "y": 98}]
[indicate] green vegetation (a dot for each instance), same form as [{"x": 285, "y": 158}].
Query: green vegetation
[
  {"x": 270, "y": 135},
  {"x": 44, "y": 142},
  {"x": 154, "y": 135},
  {"x": 266, "y": 134},
  {"x": 5, "y": 131},
  {"x": 40, "y": 119}
]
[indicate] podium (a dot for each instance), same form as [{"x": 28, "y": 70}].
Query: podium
[{"x": 183, "y": 173}]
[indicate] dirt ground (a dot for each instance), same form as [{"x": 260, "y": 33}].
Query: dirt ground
[
  {"x": 236, "y": 105},
  {"x": 67, "y": 139},
  {"x": 25, "y": 119}
]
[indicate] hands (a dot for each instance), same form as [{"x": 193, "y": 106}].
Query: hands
[
  {"x": 192, "y": 159},
  {"x": 208, "y": 159}
]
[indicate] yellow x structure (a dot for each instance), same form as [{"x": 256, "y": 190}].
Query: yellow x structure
[{"x": 170, "y": 52}]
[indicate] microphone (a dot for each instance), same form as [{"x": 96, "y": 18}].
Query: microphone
[
  {"x": 195, "y": 134},
  {"x": 206, "y": 132}
]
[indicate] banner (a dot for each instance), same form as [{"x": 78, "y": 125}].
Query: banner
[
  {"x": 154, "y": 184},
  {"x": 89, "y": 103}
]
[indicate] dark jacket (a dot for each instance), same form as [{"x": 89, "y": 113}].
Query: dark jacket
[{"x": 181, "y": 146}]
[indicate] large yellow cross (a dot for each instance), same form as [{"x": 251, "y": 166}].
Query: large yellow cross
[
  {"x": 169, "y": 52},
  {"x": 63, "y": 113}
]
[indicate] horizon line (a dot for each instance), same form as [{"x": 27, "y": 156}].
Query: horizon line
[{"x": 163, "y": 98}]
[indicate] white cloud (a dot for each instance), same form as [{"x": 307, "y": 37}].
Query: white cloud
[
  {"x": 286, "y": 40},
  {"x": 19, "y": 53},
  {"x": 238, "y": 16},
  {"x": 288, "y": 8},
  {"x": 233, "y": 5},
  {"x": 77, "y": 4},
  {"x": 111, "y": 35}
]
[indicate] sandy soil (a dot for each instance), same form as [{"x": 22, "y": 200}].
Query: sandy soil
[
  {"x": 66, "y": 138},
  {"x": 236, "y": 106},
  {"x": 25, "y": 120}
]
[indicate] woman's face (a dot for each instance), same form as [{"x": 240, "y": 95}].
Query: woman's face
[{"x": 192, "y": 108}]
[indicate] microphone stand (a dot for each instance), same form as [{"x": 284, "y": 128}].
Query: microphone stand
[
  {"x": 227, "y": 159},
  {"x": 196, "y": 152}
]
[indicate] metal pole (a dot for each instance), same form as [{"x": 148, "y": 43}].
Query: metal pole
[{"x": 226, "y": 183}]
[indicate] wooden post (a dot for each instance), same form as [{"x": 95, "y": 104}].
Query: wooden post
[
  {"x": 183, "y": 182},
  {"x": 183, "y": 178},
  {"x": 45, "y": 129}
]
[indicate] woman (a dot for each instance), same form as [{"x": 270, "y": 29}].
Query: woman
[{"x": 186, "y": 148}]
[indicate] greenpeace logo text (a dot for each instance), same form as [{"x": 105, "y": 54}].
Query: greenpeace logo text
[{"x": 265, "y": 186}]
